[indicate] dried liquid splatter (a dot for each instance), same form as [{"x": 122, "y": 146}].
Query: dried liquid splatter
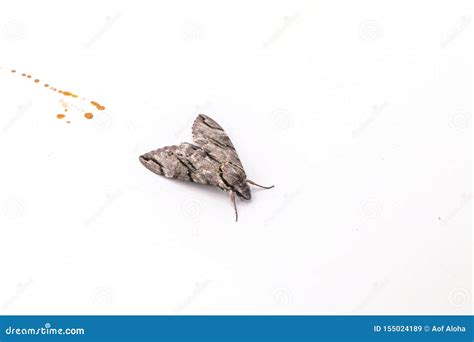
[{"x": 77, "y": 105}]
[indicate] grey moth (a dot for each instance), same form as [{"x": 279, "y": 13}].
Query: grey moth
[{"x": 211, "y": 160}]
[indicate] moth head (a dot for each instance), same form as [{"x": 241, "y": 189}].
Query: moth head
[
  {"x": 243, "y": 190},
  {"x": 236, "y": 178}
]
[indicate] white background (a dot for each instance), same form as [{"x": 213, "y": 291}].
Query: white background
[{"x": 359, "y": 113}]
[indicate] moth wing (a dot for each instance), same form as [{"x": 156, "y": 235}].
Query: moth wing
[
  {"x": 214, "y": 140},
  {"x": 185, "y": 162}
]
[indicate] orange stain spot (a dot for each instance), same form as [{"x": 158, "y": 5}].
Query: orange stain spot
[
  {"x": 98, "y": 106},
  {"x": 60, "y": 116},
  {"x": 67, "y": 93},
  {"x": 88, "y": 116}
]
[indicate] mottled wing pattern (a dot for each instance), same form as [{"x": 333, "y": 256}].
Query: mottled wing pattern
[
  {"x": 186, "y": 162},
  {"x": 213, "y": 139}
]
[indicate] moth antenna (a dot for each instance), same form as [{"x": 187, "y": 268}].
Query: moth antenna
[
  {"x": 232, "y": 198},
  {"x": 260, "y": 186}
]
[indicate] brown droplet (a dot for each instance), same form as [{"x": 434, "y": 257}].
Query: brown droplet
[
  {"x": 13, "y": 71},
  {"x": 46, "y": 85},
  {"x": 88, "y": 116},
  {"x": 23, "y": 75},
  {"x": 36, "y": 81},
  {"x": 67, "y": 93},
  {"x": 68, "y": 121},
  {"x": 29, "y": 76},
  {"x": 98, "y": 106}
]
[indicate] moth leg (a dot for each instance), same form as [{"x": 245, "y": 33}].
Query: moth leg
[
  {"x": 232, "y": 198},
  {"x": 260, "y": 186}
]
